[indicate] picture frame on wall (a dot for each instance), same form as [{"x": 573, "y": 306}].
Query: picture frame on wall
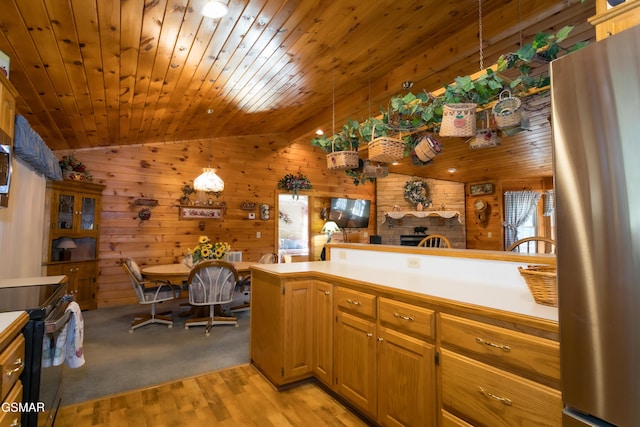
[
  {"x": 201, "y": 212},
  {"x": 481, "y": 189}
]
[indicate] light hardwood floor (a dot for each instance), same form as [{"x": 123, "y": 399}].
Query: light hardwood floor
[{"x": 237, "y": 396}]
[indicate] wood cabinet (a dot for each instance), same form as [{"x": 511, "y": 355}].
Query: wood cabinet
[
  {"x": 281, "y": 325},
  {"x": 610, "y": 20},
  {"x": 384, "y": 364},
  {"x": 8, "y": 96},
  {"x": 12, "y": 350},
  {"x": 494, "y": 376},
  {"x": 322, "y": 346},
  {"x": 74, "y": 216}
]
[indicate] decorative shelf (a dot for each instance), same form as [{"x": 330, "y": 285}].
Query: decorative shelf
[
  {"x": 423, "y": 214},
  {"x": 145, "y": 202}
]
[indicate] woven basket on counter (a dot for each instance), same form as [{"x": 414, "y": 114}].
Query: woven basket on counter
[{"x": 542, "y": 283}]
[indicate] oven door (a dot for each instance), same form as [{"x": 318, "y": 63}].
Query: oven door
[{"x": 51, "y": 376}]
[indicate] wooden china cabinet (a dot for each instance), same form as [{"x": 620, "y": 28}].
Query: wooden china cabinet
[
  {"x": 74, "y": 220},
  {"x": 615, "y": 16}
]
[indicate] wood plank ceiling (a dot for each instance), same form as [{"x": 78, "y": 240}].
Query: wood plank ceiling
[{"x": 107, "y": 72}]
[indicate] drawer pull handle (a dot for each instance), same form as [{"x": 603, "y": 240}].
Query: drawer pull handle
[
  {"x": 350, "y": 301},
  {"x": 327, "y": 292},
  {"x": 15, "y": 423},
  {"x": 19, "y": 364},
  {"x": 490, "y": 344},
  {"x": 504, "y": 400},
  {"x": 369, "y": 334},
  {"x": 403, "y": 317}
]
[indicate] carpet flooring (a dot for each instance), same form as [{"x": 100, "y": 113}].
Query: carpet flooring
[{"x": 117, "y": 361}]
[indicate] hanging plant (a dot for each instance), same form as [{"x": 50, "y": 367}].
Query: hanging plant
[
  {"x": 294, "y": 183},
  {"x": 417, "y": 192}
]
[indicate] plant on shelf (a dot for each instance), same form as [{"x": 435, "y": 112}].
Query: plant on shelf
[
  {"x": 294, "y": 183},
  {"x": 417, "y": 192},
  {"x": 73, "y": 169},
  {"x": 206, "y": 250}
]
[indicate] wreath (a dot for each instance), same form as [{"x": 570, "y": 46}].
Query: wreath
[{"x": 417, "y": 191}]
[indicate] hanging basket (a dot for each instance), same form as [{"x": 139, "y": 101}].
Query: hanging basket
[
  {"x": 374, "y": 170},
  {"x": 341, "y": 160},
  {"x": 427, "y": 148},
  {"x": 458, "y": 120},
  {"x": 385, "y": 149},
  {"x": 507, "y": 112},
  {"x": 485, "y": 136}
]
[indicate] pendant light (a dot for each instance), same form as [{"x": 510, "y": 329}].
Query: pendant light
[
  {"x": 215, "y": 9},
  {"x": 208, "y": 181}
]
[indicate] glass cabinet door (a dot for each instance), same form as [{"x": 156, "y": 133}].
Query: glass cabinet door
[
  {"x": 87, "y": 213},
  {"x": 65, "y": 211}
]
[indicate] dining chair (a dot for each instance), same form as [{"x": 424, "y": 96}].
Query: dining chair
[
  {"x": 435, "y": 241},
  {"x": 149, "y": 292},
  {"x": 244, "y": 284},
  {"x": 211, "y": 283},
  {"x": 533, "y": 245}
]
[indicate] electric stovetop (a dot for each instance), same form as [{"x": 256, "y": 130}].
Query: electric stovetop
[{"x": 36, "y": 295}]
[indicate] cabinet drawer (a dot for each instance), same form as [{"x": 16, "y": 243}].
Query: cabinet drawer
[
  {"x": 449, "y": 420},
  {"x": 489, "y": 396},
  {"x": 406, "y": 317},
  {"x": 356, "y": 302},
  {"x": 12, "y": 364},
  {"x": 9, "y": 418},
  {"x": 502, "y": 346}
]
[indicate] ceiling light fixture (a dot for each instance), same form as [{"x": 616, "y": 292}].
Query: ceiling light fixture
[
  {"x": 215, "y": 9},
  {"x": 452, "y": 170}
]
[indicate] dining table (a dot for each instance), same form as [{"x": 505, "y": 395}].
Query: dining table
[{"x": 178, "y": 273}]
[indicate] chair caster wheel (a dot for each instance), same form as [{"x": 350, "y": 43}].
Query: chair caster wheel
[
  {"x": 130, "y": 331},
  {"x": 236, "y": 325},
  {"x": 169, "y": 326},
  {"x": 207, "y": 334},
  {"x": 186, "y": 328}
]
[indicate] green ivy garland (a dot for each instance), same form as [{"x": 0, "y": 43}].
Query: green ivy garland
[{"x": 417, "y": 191}]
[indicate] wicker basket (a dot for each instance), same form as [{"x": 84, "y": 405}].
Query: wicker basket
[
  {"x": 374, "y": 170},
  {"x": 542, "y": 283},
  {"x": 427, "y": 148},
  {"x": 385, "y": 149},
  {"x": 507, "y": 111},
  {"x": 458, "y": 120},
  {"x": 342, "y": 160}
]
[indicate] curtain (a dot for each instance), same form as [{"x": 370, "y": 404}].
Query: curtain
[
  {"x": 549, "y": 202},
  {"x": 518, "y": 205}
]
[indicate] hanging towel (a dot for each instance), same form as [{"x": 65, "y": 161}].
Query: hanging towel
[{"x": 74, "y": 350}]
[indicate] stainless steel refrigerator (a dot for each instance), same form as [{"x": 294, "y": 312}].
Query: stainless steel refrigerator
[{"x": 596, "y": 130}]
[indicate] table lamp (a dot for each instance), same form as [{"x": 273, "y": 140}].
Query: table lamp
[
  {"x": 65, "y": 246},
  {"x": 329, "y": 228}
]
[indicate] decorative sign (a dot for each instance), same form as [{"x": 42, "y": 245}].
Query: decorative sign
[
  {"x": 481, "y": 189},
  {"x": 200, "y": 212}
]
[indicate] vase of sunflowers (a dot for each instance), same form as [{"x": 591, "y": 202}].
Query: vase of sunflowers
[{"x": 207, "y": 250}]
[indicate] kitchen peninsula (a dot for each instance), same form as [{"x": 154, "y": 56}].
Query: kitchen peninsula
[{"x": 412, "y": 336}]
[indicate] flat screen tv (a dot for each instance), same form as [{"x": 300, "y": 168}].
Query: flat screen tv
[{"x": 350, "y": 213}]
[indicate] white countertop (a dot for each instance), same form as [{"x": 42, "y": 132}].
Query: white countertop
[
  {"x": 32, "y": 281},
  {"x": 7, "y": 318},
  {"x": 507, "y": 295}
]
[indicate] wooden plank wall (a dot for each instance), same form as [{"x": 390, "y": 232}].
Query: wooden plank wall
[
  {"x": 448, "y": 193},
  {"x": 161, "y": 170},
  {"x": 490, "y": 235}
]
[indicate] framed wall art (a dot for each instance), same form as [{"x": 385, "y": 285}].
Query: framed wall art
[
  {"x": 201, "y": 212},
  {"x": 481, "y": 189}
]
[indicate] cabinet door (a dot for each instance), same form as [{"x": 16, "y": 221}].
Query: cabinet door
[
  {"x": 82, "y": 281},
  {"x": 406, "y": 380},
  {"x": 74, "y": 212},
  {"x": 355, "y": 361},
  {"x": 323, "y": 331},
  {"x": 298, "y": 326}
]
